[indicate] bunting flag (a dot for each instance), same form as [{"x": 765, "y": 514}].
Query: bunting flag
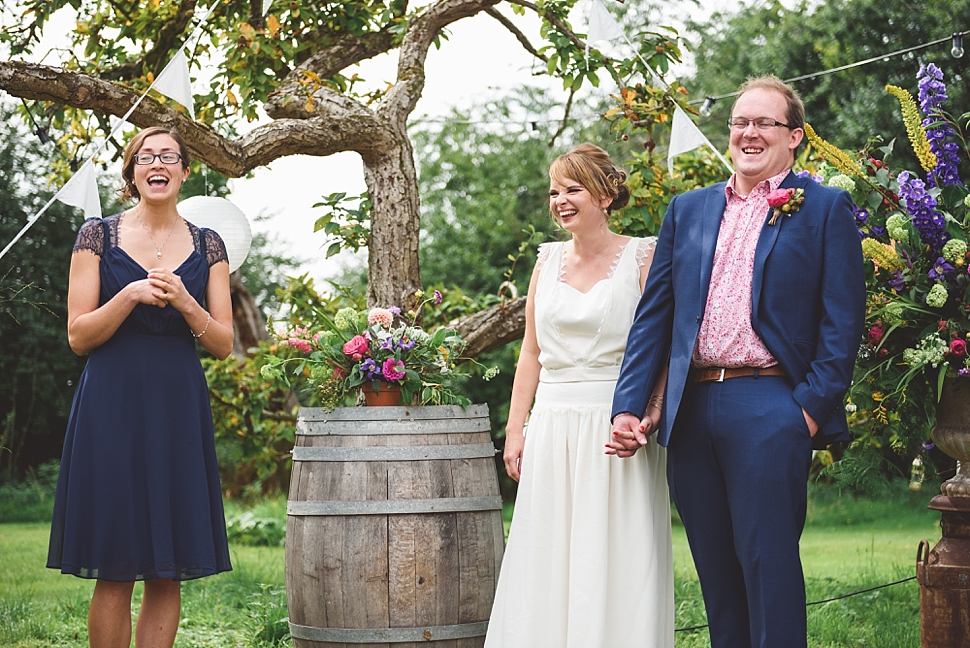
[
  {"x": 266, "y": 5},
  {"x": 173, "y": 81},
  {"x": 81, "y": 191},
  {"x": 686, "y": 136},
  {"x": 602, "y": 28}
]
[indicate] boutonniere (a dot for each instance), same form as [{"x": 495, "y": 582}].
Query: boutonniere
[{"x": 784, "y": 201}]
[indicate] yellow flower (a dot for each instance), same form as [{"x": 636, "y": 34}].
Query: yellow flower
[
  {"x": 833, "y": 154},
  {"x": 419, "y": 294},
  {"x": 882, "y": 254},
  {"x": 914, "y": 127}
]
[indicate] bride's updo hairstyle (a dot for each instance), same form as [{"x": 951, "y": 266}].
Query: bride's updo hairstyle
[
  {"x": 129, "y": 191},
  {"x": 590, "y": 166}
]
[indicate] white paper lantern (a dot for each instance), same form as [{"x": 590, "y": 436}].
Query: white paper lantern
[{"x": 227, "y": 220}]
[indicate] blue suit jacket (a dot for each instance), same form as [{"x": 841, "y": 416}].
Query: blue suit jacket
[{"x": 807, "y": 303}]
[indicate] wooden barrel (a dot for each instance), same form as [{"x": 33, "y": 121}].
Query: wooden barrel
[{"x": 394, "y": 533}]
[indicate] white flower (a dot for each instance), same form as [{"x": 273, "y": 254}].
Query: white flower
[{"x": 842, "y": 181}]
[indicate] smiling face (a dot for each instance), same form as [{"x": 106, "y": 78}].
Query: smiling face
[
  {"x": 158, "y": 182},
  {"x": 761, "y": 154},
  {"x": 574, "y": 207}
]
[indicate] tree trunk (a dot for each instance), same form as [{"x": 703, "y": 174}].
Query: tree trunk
[
  {"x": 392, "y": 251},
  {"x": 493, "y": 327},
  {"x": 247, "y": 320}
]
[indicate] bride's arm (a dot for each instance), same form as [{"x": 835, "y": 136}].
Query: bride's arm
[{"x": 523, "y": 387}]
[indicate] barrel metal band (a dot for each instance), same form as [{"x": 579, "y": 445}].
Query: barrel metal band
[
  {"x": 400, "y": 425},
  {"x": 395, "y": 507},
  {"x": 389, "y": 635},
  {"x": 393, "y": 453}
]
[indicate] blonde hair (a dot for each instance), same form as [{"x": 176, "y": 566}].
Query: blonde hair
[
  {"x": 129, "y": 191},
  {"x": 591, "y": 166}
]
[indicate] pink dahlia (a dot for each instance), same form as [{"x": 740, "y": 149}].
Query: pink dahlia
[{"x": 393, "y": 370}]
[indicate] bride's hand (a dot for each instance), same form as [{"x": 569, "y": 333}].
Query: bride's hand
[{"x": 514, "y": 446}]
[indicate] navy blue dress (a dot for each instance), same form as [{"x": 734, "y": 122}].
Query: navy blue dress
[{"x": 138, "y": 496}]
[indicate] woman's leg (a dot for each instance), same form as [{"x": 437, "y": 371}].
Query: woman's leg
[
  {"x": 109, "y": 617},
  {"x": 158, "y": 618}
]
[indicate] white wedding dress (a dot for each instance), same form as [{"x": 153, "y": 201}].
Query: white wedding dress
[{"x": 589, "y": 560}]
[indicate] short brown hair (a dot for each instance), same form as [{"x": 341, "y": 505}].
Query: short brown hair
[
  {"x": 129, "y": 191},
  {"x": 795, "y": 114},
  {"x": 591, "y": 166}
]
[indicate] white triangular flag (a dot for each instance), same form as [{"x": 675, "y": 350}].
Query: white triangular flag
[
  {"x": 686, "y": 136},
  {"x": 602, "y": 26},
  {"x": 81, "y": 191},
  {"x": 266, "y": 4},
  {"x": 174, "y": 81}
]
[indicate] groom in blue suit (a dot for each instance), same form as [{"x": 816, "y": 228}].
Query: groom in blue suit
[{"x": 757, "y": 313}]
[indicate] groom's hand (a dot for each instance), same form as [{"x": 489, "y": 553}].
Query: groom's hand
[{"x": 629, "y": 433}]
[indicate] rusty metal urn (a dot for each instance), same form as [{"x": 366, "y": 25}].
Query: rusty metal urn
[{"x": 944, "y": 572}]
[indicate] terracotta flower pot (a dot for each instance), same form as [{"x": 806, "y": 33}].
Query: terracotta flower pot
[{"x": 387, "y": 395}]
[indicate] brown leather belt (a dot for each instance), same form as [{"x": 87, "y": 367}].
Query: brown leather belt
[{"x": 720, "y": 374}]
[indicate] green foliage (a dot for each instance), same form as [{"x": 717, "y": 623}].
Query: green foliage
[
  {"x": 254, "y": 425},
  {"x": 37, "y": 367},
  {"x": 31, "y": 498},
  {"x": 262, "y": 525},
  {"x": 347, "y": 228}
]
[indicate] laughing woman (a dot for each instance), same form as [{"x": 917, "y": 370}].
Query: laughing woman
[{"x": 138, "y": 496}]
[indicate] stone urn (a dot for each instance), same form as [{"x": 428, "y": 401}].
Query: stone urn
[{"x": 952, "y": 433}]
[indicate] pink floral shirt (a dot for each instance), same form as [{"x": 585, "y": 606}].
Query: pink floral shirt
[{"x": 726, "y": 338}]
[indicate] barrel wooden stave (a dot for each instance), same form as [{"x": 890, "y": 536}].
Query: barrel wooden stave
[{"x": 397, "y": 571}]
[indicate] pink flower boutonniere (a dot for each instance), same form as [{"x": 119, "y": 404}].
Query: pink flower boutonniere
[{"x": 784, "y": 201}]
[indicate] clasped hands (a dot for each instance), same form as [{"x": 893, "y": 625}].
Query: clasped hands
[
  {"x": 629, "y": 434},
  {"x": 164, "y": 288}
]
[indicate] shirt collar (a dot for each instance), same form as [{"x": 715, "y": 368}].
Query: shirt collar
[{"x": 762, "y": 188}]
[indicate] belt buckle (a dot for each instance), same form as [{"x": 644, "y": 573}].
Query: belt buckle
[{"x": 720, "y": 378}]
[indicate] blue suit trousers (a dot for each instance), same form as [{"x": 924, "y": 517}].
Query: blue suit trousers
[{"x": 738, "y": 463}]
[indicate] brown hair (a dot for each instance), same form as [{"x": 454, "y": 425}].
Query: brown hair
[
  {"x": 129, "y": 191},
  {"x": 795, "y": 114},
  {"x": 590, "y": 166}
]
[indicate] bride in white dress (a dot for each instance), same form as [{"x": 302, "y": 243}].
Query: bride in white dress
[{"x": 589, "y": 560}]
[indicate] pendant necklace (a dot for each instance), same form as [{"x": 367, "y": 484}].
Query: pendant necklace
[{"x": 158, "y": 250}]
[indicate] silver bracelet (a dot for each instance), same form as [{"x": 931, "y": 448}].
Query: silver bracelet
[{"x": 208, "y": 318}]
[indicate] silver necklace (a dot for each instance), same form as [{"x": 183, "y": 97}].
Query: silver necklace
[{"x": 158, "y": 250}]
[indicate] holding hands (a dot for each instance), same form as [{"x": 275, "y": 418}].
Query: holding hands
[{"x": 166, "y": 288}]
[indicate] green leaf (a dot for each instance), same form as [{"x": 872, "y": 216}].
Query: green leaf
[
  {"x": 333, "y": 249},
  {"x": 322, "y": 222}
]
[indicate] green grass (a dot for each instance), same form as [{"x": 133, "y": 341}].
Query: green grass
[{"x": 849, "y": 544}]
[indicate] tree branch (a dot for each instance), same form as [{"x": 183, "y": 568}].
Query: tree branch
[
  {"x": 519, "y": 36},
  {"x": 343, "y": 126},
  {"x": 493, "y": 327},
  {"x": 565, "y": 118}
]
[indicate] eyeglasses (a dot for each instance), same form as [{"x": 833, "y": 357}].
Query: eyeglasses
[
  {"x": 143, "y": 159},
  {"x": 761, "y": 123}
]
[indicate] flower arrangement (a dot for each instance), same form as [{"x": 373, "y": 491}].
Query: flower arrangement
[
  {"x": 377, "y": 348},
  {"x": 784, "y": 201},
  {"x": 914, "y": 237}
]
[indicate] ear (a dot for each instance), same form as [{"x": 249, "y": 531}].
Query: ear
[
  {"x": 605, "y": 202},
  {"x": 796, "y": 138}
]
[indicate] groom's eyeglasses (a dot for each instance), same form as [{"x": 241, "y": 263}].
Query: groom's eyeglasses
[{"x": 761, "y": 123}]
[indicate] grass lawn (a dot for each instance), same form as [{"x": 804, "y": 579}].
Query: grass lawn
[{"x": 849, "y": 544}]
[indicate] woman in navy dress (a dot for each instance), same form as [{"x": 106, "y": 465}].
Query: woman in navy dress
[{"x": 138, "y": 496}]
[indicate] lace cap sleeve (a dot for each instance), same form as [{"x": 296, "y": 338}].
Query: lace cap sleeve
[
  {"x": 545, "y": 249},
  {"x": 215, "y": 248},
  {"x": 644, "y": 250},
  {"x": 91, "y": 237}
]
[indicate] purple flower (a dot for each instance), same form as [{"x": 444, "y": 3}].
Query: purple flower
[
  {"x": 437, "y": 297},
  {"x": 405, "y": 345},
  {"x": 940, "y": 269},
  {"x": 394, "y": 310},
  {"x": 861, "y": 215},
  {"x": 939, "y": 132},
  {"x": 963, "y": 372},
  {"x": 921, "y": 206},
  {"x": 897, "y": 282},
  {"x": 370, "y": 369}
]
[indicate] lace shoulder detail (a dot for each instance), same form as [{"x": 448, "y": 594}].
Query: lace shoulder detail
[
  {"x": 215, "y": 248},
  {"x": 209, "y": 244},
  {"x": 645, "y": 247},
  {"x": 545, "y": 249},
  {"x": 91, "y": 237}
]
